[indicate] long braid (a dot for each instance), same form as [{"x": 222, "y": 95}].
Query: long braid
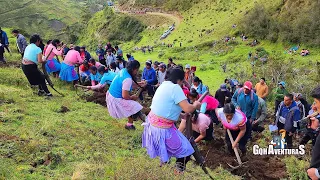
[{"x": 131, "y": 66}]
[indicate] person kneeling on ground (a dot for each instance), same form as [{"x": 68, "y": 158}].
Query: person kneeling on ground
[
  {"x": 32, "y": 56},
  {"x": 160, "y": 136},
  {"x": 312, "y": 128},
  {"x": 235, "y": 121},
  {"x": 119, "y": 102},
  {"x": 84, "y": 72},
  {"x": 202, "y": 127},
  {"x": 94, "y": 75},
  {"x": 107, "y": 78}
]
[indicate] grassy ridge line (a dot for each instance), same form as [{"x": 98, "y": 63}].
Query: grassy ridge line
[{"x": 85, "y": 142}]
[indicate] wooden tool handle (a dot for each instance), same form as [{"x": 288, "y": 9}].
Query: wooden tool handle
[
  {"x": 235, "y": 149},
  {"x": 139, "y": 91},
  {"x": 203, "y": 96},
  {"x": 78, "y": 85},
  {"x": 188, "y": 125}
]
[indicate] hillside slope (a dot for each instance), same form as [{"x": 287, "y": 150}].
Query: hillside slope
[{"x": 60, "y": 18}]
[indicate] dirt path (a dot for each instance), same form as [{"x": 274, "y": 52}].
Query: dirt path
[{"x": 174, "y": 17}]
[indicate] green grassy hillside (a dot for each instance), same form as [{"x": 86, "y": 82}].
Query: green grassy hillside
[
  {"x": 39, "y": 140},
  {"x": 202, "y": 33},
  {"x": 51, "y": 19},
  {"x": 107, "y": 26}
]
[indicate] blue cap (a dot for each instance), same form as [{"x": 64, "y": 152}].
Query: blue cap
[
  {"x": 282, "y": 83},
  {"x": 223, "y": 87}
]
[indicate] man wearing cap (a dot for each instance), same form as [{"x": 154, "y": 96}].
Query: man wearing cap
[
  {"x": 188, "y": 75},
  {"x": 149, "y": 75},
  {"x": 279, "y": 94},
  {"x": 121, "y": 63},
  {"x": 247, "y": 101},
  {"x": 222, "y": 94},
  {"x": 110, "y": 57},
  {"x": 262, "y": 89}
]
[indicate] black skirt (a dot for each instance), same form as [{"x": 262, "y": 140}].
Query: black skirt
[{"x": 34, "y": 76}]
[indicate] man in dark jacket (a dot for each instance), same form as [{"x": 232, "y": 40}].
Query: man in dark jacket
[
  {"x": 314, "y": 170},
  {"x": 149, "y": 75},
  {"x": 4, "y": 40},
  {"x": 21, "y": 41},
  {"x": 287, "y": 118},
  {"x": 222, "y": 94}
]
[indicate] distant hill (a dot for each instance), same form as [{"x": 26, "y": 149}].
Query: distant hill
[{"x": 49, "y": 18}]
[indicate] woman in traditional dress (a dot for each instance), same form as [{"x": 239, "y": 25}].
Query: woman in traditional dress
[
  {"x": 119, "y": 101},
  {"x": 32, "y": 56},
  {"x": 68, "y": 72},
  {"x": 234, "y": 120},
  {"x": 53, "y": 65},
  {"x": 161, "y": 137}
]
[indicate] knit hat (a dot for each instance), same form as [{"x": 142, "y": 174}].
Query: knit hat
[
  {"x": 247, "y": 85},
  {"x": 188, "y": 66},
  {"x": 148, "y": 63}
]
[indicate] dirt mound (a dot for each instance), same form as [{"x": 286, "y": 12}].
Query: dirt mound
[
  {"x": 63, "y": 109},
  {"x": 97, "y": 97},
  {"x": 256, "y": 167}
]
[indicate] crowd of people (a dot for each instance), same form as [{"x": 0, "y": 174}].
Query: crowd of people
[{"x": 175, "y": 90}]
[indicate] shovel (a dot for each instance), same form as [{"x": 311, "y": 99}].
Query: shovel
[{"x": 236, "y": 152}]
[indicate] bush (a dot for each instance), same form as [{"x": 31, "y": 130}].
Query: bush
[{"x": 203, "y": 67}]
